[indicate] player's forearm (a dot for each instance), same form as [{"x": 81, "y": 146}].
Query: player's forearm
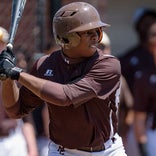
[
  {"x": 10, "y": 93},
  {"x": 142, "y": 142},
  {"x": 140, "y": 127},
  {"x": 140, "y": 132},
  {"x": 48, "y": 91}
]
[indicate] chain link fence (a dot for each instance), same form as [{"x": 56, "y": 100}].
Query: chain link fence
[{"x": 26, "y": 31}]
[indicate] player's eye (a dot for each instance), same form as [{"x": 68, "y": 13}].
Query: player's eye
[{"x": 89, "y": 32}]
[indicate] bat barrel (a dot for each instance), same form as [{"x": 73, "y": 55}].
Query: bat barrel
[{"x": 17, "y": 10}]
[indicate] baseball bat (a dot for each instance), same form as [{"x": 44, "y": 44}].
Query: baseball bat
[{"x": 16, "y": 14}]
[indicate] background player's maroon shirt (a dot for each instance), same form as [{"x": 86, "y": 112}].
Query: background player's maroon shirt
[{"x": 145, "y": 92}]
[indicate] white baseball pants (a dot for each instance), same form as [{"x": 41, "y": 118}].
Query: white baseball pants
[{"x": 115, "y": 148}]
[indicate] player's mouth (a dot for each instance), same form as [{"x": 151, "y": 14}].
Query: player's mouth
[{"x": 93, "y": 45}]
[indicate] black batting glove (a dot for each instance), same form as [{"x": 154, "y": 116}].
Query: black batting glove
[
  {"x": 7, "y": 65},
  {"x": 7, "y": 58},
  {"x": 14, "y": 73}
]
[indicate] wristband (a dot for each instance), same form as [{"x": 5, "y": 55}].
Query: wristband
[{"x": 14, "y": 73}]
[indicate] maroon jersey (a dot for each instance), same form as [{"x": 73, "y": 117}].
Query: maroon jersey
[
  {"x": 145, "y": 91},
  {"x": 92, "y": 85},
  {"x": 134, "y": 60}
]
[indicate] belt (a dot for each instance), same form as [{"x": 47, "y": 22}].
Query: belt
[
  {"x": 92, "y": 149},
  {"x": 106, "y": 145}
]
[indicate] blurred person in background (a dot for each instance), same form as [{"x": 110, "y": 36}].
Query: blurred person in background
[
  {"x": 145, "y": 100},
  {"x": 16, "y": 137},
  {"x": 41, "y": 122},
  {"x": 133, "y": 62},
  {"x": 138, "y": 56}
]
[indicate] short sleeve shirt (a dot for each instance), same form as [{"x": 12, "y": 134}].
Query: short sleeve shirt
[{"x": 93, "y": 86}]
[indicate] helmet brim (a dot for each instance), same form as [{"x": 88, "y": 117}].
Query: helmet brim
[{"x": 89, "y": 26}]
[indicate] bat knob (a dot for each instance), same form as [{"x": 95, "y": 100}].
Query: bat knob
[{"x": 10, "y": 46}]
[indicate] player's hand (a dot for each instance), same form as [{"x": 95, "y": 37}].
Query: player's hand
[
  {"x": 7, "y": 61},
  {"x": 7, "y": 66},
  {"x": 7, "y": 55},
  {"x": 12, "y": 73}
]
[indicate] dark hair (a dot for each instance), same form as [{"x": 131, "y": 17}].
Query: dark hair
[{"x": 143, "y": 19}]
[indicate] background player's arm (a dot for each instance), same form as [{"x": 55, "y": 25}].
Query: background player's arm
[
  {"x": 29, "y": 133},
  {"x": 140, "y": 131}
]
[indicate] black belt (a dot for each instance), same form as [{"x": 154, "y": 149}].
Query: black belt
[
  {"x": 92, "y": 149},
  {"x": 96, "y": 148}
]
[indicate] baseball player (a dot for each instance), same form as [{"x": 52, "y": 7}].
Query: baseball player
[
  {"x": 145, "y": 100},
  {"x": 80, "y": 85}
]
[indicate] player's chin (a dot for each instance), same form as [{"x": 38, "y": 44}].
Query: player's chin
[{"x": 90, "y": 51}]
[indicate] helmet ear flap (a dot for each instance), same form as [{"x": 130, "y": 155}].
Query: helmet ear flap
[
  {"x": 100, "y": 34},
  {"x": 68, "y": 41}
]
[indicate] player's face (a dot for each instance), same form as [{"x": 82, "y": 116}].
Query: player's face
[
  {"x": 88, "y": 42},
  {"x": 87, "y": 46}
]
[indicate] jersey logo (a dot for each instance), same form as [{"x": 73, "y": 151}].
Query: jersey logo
[{"x": 49, "y": 72}]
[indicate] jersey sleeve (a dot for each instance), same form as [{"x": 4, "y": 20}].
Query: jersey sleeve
[{"x": 102, "y": 80}]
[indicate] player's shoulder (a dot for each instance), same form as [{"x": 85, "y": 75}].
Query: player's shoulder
[
  {"x": 106, "y": 57},
  {"x": 51, "y": 55},
  {"x": 46, "y": 58},
  {"x": 109, "y": 63}
]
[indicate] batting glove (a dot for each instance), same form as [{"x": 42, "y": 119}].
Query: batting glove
[
  {"x": 8, "y": 56},
  {"x": 13, "y": 73},
  {"x": 7, "y": 65}
]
